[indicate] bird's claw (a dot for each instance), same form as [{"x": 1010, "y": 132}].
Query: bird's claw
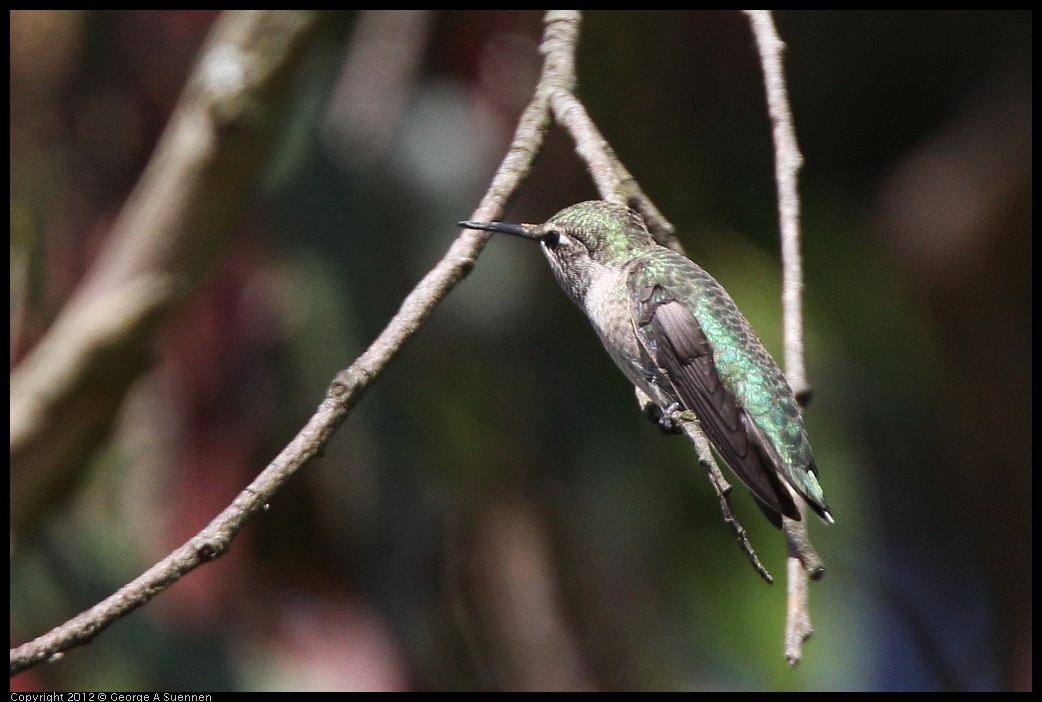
[{"x": 668, "y": 419}]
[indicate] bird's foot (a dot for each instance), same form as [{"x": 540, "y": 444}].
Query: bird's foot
[{"x": 668, "y": 419}]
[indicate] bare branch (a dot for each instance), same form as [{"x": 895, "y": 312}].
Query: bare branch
[
  {"x": 613, "y": 181},
  {"x": 787, "y": 162},
  {"x": 803, "y": 563},
  {"x": 723, "y": 490},
  {"x": 797, "y": 610}
]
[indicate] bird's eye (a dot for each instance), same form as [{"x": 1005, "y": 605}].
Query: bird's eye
[{"x": 554, "y": 238}]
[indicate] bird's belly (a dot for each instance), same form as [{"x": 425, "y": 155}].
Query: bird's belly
[{"x": 609, "y": 313}]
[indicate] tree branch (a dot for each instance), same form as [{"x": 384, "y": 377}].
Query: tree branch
[
  {"x": 803, "y": 563},
  {"x": 787, "y": 162}
]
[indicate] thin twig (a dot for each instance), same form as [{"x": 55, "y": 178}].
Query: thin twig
[
  {"x": 723, "y": 490},
  {"x": 787, "y": 162},
  {"x": 803, "y": 563},
  {"x": 613, "y": 181},
  {"x": 688, "y": 423},
  {"x": 798, "y": 627}
]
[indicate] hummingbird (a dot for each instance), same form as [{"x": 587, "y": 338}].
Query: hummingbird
[{"x": 677, "y": 335}]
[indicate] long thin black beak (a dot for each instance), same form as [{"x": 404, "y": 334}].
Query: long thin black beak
[{"x": 524, "y": 230}]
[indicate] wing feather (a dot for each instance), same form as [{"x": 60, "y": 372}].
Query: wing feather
[{"x": 672, "y": 336}]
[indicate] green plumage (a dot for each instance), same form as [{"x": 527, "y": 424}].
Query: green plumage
[{"x": 676, "y": 333}]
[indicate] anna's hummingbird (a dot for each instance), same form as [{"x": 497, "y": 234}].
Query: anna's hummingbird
[{"x": 678, "y": 336}]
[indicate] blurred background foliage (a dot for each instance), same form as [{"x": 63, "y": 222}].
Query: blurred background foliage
[{"x": 496, "y": 513}]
